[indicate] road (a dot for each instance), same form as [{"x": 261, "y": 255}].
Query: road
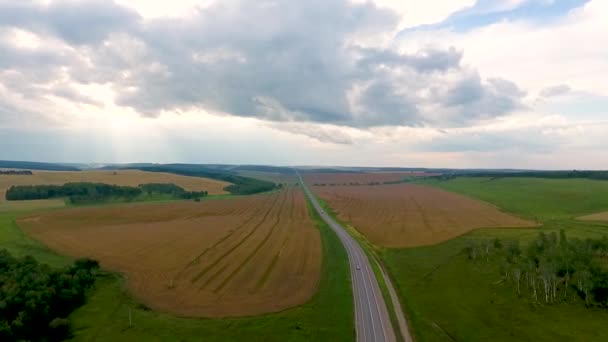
[{"x": 372, "y": 321}]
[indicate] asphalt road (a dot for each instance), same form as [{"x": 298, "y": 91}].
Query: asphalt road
[{"x": 372, "y": 321}]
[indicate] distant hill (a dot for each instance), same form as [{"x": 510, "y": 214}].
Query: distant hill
[
  {"x": 8, "y": 164},
  {"x": 240, "y": 185}
]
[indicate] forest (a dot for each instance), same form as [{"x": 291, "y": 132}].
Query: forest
[
  {"x": 240, "y": 185},
  {"x": 550, "y": 269},
  {"x": 91, "y": 192},
  {"x": 35, "y": 299},
  {"x": 16, "y": 172}
]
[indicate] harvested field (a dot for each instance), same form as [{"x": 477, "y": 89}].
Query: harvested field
[
  {"x": 405, "y": 215},
  {"x": 120, "y": 177},
  {"x": 603, "y": 216},
  {"x": 359, "y": 178},
  {"x": 232, "y": 257}
]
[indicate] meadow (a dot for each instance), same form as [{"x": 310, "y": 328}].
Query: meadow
[{"x": 448, "y": 297}]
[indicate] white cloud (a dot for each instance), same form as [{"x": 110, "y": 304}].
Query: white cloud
[
  {"x": 415, "y": 12},
  {"x": 565, "y": 51},
  {"x": 61, "y": 91},
  {"x": 156, "y": 9}
]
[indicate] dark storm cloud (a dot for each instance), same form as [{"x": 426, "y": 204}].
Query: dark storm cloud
[{"x": 283, "y": 61}]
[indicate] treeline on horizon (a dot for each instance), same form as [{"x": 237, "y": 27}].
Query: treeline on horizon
[
  {"x": 597, "y": 175},
  {"x": 10, "y": 164},
  {"x": 16, "y": 172},
  {"x": 240, "y": 185},
  {"x": 36, "y": 300},
  {"x": 91, "y": 192}
]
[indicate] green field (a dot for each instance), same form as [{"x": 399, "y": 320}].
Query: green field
[
  {"x": 448, "y": 297},
  {"x": 105, "y": 316}
]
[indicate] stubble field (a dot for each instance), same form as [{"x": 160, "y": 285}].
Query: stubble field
[
  {"x": 233, "y": 257},
  {"x": 406, "y": 215},
  {"x": 359, "y": 178},
  {"x": 120, "y": 177}
]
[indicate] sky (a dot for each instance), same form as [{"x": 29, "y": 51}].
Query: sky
[{"x": 434, "y": 83}]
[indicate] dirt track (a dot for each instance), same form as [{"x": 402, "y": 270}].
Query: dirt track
[{"x": 217, "y": 258}]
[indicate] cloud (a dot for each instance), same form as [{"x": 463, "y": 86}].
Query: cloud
[
  {"x": 317, "y": 61},
  {"x": 557, "y": 90},
  {"x": 77, "y": 22},
  {"x": 317, "y": 132}
]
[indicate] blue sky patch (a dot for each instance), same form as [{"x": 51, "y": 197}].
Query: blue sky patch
[{"x": 487, "y": 12}]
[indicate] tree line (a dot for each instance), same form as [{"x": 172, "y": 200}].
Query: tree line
[
  {"x": 597, "y": 175},
  {"x": 550, "y": 269},
  {"x": 16, "y": 172},
  {"x": 35, "y": 299},
  {"x": 91, "y": 192},
  {"x": 240, "y": 185}
]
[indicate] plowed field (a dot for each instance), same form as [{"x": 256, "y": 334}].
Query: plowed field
[
  {"x": 232, "y": 257},
  {"x": 359, "y": 178},
  {"x": 405, "y": 215},
  {"x": 120, "y": 177}
]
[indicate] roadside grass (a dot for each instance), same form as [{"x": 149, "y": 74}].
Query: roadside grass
[
  {"x": 373, "y": 253},
  {"x": 111, "y": 313},
  {"x": 448, "y": 297}
]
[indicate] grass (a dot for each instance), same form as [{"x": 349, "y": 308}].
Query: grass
[
  {"x": 372, "y": 251},
  {"x": 543, "y": 199},
  {"x": 105, "y": 316},
  {"x": 448, "y": 297}
]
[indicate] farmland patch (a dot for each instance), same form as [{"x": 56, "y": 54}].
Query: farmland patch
[
  {"x": 120, "y": 177},
  {"x": 234, "y": 257},
  {"x": 358, "y": 178},
  {"x": 406, "y": 215}
]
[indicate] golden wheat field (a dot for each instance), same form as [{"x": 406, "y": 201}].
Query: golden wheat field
[
  {"x": 231, "y": 257},
  {"x": 405, "y": 215},
  {"x": 120, "y": 177}
]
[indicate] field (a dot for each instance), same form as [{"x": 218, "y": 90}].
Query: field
[
  {"x": 121, "y": 177},
  {"x": 358, "y": 178},
  {"x": 234, "y": 257},
  {"x": 405, "y": 215},
  {"x": 271, "y": 176},
  {"x": 448, "y": 297},
  {"x": 603, "y": 216},
  {"x": 105, "y": 315}
]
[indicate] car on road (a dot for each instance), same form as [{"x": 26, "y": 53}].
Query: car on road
[{"x": 358, "y": 267}]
